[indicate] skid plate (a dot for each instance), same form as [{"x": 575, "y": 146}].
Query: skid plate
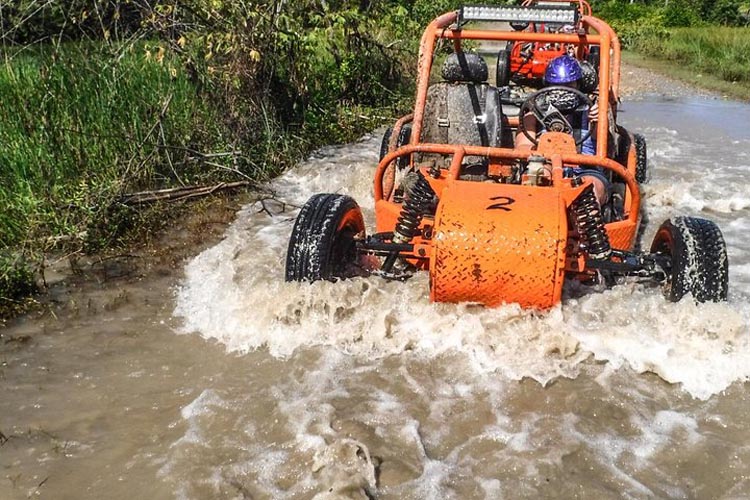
[{"x": 499, "y": 243}]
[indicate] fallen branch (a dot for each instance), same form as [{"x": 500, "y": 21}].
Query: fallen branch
[
  {"x": 179, "y": 194},
  {"x": 66, "y": 238}
]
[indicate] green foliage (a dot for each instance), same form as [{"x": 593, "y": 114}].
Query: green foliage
[
  {"x": 682, "y": 13},
  {"x": 728, "y": 13},
  {"x": 81, "y": 125},
  {"x": 16, "y": 279},
  {"x": 685, "y": 31},
  {"x": 723, "y": 52},
  {"x": 672, "y": 13},
  {"x": 34, "y": 21},
  {"x": 639, "y": 23}
]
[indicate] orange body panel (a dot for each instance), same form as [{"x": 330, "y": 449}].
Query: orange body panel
[
  {"x": 497, "y": 243},
  {"x": 622, "y": 234}
]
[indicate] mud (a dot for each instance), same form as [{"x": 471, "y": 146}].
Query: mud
[{"x": 637, "y": 82}]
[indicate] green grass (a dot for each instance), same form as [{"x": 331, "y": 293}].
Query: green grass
[
  {"x": 83, "y": 124},
  {"x": 722, "y": 53}
]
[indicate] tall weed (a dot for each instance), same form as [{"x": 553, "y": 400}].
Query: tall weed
[
  {"x": 720, "y": 51},
  {"x": 79, "y": 126}
]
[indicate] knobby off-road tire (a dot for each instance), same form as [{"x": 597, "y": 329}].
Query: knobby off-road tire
[
  {"x": 698, "y": 257},
  {"x": 641, "y": 159},
  {"x": 502, "y": 68},
  {"x": 322, "y": 245},
  {"x": 385, "y": 143},
  {"x": 404, "y": 136}
]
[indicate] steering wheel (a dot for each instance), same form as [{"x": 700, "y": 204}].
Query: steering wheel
[{"x": 552, "y": 117}]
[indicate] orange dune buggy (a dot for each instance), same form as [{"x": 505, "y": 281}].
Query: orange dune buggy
[{"x": 493, "y": 223}]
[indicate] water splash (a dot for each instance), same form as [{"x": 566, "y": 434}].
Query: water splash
[{"x": 235, "y": 293}]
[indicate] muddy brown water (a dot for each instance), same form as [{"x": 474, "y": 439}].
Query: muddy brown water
[{"x": 226, "y": 382}]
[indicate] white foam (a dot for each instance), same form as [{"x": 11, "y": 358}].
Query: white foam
[{"x": 235, "y": 293}]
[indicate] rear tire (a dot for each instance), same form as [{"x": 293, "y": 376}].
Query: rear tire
[
  {"x": 641, "y": 159},
  {"x": 322, "y": 245},
  {"x": 593, "y": 57},
  {"x": 502, "y": 69},
  {"x": 385, "y": 143},
  {"x": 698, "y": 257}
]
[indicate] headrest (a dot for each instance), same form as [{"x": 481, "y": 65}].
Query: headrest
[{"x": 465, "y": 67}]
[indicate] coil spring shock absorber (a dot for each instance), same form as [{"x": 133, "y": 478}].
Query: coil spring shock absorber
[
  {"x": 588, "y": 219},
  {"x": 418, "y": 203}
]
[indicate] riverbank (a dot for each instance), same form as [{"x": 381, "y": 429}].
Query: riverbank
[
  {"x": 192, "y": 226},
  {"x": 148, "y": 255},
  {"x": 367, "y": 378},
  {"x": 642, "y": 74}
]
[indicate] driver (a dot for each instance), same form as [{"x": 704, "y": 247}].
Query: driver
[{"x": 566, "y": 71}]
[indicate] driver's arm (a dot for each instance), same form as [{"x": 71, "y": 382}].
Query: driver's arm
[{"x": 529, "y": 122}]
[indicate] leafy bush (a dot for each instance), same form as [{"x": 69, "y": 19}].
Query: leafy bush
[
  {"x": 681, "y": 13},
  {"x": 16, "y": 279}
]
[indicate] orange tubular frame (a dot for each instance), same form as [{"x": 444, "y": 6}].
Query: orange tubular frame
[
  {"x": 444, "y": 27},
  {"x": 475, "y": 248},
  {"x": 459, "y": 152}
]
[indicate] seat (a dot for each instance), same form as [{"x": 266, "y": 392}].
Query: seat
[{"x": 464, "y": 108}]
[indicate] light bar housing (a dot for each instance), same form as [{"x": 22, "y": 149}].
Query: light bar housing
[{"x": 562, "y": 14}]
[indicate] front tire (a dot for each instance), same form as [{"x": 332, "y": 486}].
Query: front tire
[
  {"x": 698, "y": 257},
  {"x": 322, "y": 245}
]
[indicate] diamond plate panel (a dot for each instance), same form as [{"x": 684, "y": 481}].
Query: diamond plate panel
[{"x": 499, "y": 243}]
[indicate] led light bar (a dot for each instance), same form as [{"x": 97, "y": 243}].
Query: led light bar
[{"x": 564, "y": 14}]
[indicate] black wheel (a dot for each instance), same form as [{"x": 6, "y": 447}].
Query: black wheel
[
  {"x": 404, "y": 136},
  {"x": 697, "y": 256},
  {"x": 385, "y": 143},
  {"x": 593, "y": 57},
  {"x": 322, "y": 245},
  {"x": 641, "y": 159},
  {"x": 502, "y": 69}
]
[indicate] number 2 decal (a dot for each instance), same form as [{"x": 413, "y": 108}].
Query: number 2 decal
[{"x": 504, "y": 202}]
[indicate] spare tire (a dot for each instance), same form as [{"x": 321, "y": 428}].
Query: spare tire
[
  {"x": 697, "y": 259},
  {"x": 322, "y": 244}
]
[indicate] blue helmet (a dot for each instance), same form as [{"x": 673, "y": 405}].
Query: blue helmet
[{"x": 563, "y": 69}]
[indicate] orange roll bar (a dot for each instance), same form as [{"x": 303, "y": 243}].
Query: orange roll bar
[{"x": 459, "y": 152}]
